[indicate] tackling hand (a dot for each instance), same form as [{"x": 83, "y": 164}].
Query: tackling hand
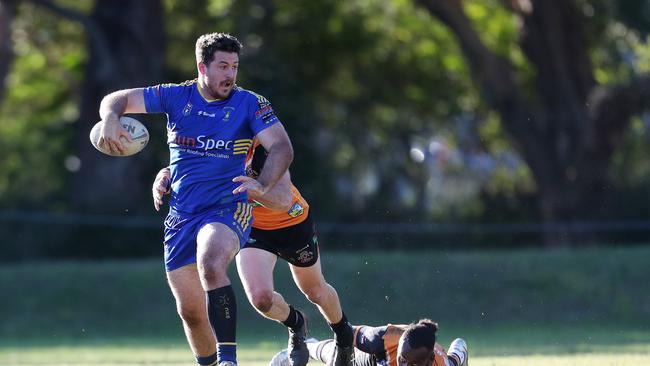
[{"x": 160, "y": 187}]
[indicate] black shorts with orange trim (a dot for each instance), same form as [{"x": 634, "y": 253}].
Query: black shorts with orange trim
[{"x": 296, "y": 244}]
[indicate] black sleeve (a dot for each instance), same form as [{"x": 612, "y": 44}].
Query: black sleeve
[
  {"x": 371, "y": 340},
  {"x": 259, "y": 158}
]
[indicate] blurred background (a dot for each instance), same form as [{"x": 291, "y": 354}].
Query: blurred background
[{"x": 498, "y": 149}]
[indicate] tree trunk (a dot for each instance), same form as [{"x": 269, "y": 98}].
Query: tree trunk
[
  {"x": 125, "y": 44},
  {"x": 568, "y": 130},
  {"x": 7, "y": 11}
]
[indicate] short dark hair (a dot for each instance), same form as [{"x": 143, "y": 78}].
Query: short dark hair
[
  {"x": 421, "y": 334},
  {"x": 209, "y": 43}
]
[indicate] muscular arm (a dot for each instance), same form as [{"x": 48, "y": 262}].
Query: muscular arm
[
  {"x": 277, "y": 198},
  {"x": 280, "y": 155},
  {"x": 123, "y": 101},
  {"x": 112, "y": 107}
]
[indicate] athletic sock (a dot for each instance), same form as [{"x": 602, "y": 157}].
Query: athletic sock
[
  {"x": 343, "y": 332},
  {"x": 207, "y": 360},
  {"x": 222, "y": 312},
  {"x": 294, "y": 320},
  {"x": 321, "y": 351},
  {"x": 457, "y": 352}
]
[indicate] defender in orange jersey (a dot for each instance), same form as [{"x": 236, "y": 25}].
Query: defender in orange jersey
[
  {"x": 391, "y": 345},
  {"x": 283, "y": 227}
]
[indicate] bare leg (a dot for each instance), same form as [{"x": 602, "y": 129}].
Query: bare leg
[
  {"x": 190, "y": 304},
  {"x": 255, "y": 268},
  {"x": 216, "y": 246},
  {"x": 311, "y": 282}
]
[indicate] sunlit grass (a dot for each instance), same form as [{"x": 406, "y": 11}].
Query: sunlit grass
[{"x": 259, "y": 355}]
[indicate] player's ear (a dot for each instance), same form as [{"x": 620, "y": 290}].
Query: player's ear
[{"x": 202, "y": 68}]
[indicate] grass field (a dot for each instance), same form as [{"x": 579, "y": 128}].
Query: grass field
[
  {"x": 508, "y": 349},
  {"x": 514, "y": 307}
]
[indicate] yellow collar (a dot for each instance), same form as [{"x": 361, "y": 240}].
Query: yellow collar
[{"x": 203, "y": 95}]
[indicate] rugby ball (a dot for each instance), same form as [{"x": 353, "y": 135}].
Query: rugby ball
[{"x": 135, "y": 128}]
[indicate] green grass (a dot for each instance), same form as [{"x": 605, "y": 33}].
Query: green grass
[
  {"x": 532, "y": 307},
  {"x": 557, "y": 347}
]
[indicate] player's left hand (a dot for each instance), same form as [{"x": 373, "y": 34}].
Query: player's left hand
[{"x": 250, "y": 185}]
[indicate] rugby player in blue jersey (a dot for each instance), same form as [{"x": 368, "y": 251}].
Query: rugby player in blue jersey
[
  {"x": 211, "y": 123},
  {"x": 283, "y": 227}
]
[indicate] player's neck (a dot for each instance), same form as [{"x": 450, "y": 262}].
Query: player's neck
[{"x": 204, "y": 92}]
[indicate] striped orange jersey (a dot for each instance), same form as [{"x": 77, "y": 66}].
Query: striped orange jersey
[
  {"x": 391, "y": 341},
  {"x": 265, "y": 218}
]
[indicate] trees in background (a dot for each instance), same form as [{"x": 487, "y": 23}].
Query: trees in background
[
  {"x": 70, "y": 55},
  {"x": 126, "y": 48},
  {"x": 565, "y": 123},
  {"x": 427, "y": 109},
  {"x": 7, "y": 11}
]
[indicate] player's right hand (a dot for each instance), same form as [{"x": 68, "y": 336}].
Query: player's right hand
[
  {"x": 254, "y": 188},
  {"x": 160, "y": 187},
  {"x": 111, "y": 134}
]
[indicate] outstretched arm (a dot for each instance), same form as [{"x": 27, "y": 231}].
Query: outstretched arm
[{"x": 112, "y": 107}]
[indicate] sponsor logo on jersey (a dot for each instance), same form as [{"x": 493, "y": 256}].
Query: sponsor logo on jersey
[
  {"x": 206, "y": 114},
  {"x": 296, "y": 210},
  {"x": 266, "y": 114},
  {"x": 205, "y": 143},
  {"x": 265, "y": 111}
]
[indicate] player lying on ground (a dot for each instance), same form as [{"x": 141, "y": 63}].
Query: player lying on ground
[
  {"x": 391, "y": 345},
  {"x": 283, "y": 227}
]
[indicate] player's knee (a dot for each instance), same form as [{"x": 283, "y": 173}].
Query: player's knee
[
  {"x": 262, "y": 300},
  {"x": 192, "y": 316},
  {"x": 211, "y": 273},
  {"x": 317, "y": 294}
]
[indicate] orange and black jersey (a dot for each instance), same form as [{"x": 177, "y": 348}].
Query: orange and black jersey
[
  {"x": 265, "y": 218},
  {"x": 382, "y": 342}
]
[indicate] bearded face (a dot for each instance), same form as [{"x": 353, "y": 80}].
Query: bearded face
[{"x": 220, "y": 75}]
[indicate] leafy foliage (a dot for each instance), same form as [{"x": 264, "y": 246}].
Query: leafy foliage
[
  {"x": 39, "y": 108},
  {"x": 379, "y": 102}
]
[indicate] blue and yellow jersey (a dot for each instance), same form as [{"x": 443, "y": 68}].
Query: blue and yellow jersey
[{"x": 208, "y": 141}]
